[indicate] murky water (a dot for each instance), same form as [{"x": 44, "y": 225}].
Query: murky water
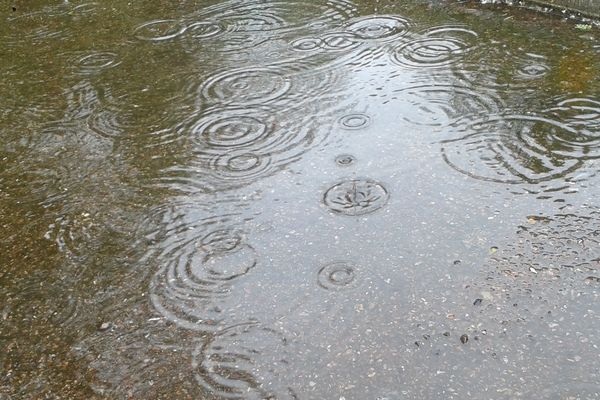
[{"x": 287, "y": 199}]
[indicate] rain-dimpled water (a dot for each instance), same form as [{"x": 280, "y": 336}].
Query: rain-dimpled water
[{"x": 294, "y": 199}]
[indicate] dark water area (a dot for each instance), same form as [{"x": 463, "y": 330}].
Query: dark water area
[{"x": 284, "y": 199}]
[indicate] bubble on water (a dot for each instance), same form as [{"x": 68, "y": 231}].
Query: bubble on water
[
  {"x": 356, "y": 197},
  {"x": 338, "y": 275},
  {"x": 379, "y": 27}
]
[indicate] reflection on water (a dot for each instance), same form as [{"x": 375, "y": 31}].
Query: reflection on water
[{"x": 291, "y": 199}]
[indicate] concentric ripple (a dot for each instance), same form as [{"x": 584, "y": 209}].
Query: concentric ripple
[
  {"x": 234, "y": 129},
  {"x": 42, "y": 301},
  {"x": 160, "y": 30},
  {"x": 334, "y": 41},
  {"x": 307, "y": 44},
  {"x": 196, "y": 276},
  {"x": 379, "y": 27},
  {"x": 581, "y": 113},
  {"x": 244, "y": 87},
  {"x": 234, "y": 147},
  {"x": 356, "y": 197},
  {"x": 439, "y": 47},
  {"x": 355, "y": 121},
  {"x": 108, "y": 121},
  {"x": 530, "y": 66},
  {"x": 276, "y": 15},
  {"x": 97, "y": 61},
  {"x": 338, "y": 275},
  {"x": 259, "y": 21},
  {"x": 204, "y": 29},
  {"x": 245, "y": 362},
  {"x": 533, "y": 71},
  {"x": 515, "y": 149},
  {"x": 439, "y": 105},
  {"x": 221, "y": 241},
  {"x": 239, "y": 166}
]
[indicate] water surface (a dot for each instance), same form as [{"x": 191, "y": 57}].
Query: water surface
[{"x": 297, "y": 200}]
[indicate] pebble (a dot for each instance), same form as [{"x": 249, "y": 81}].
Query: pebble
[
  {"x": 464, "y": 339},
  {"x": 104, "y": 327}
]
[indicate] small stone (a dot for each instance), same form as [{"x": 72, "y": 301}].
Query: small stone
[
  {"x": 592, "y": 279},
  {"x": 493, "y": 249},
  {"x": 456, "y": 262},
  {"x": 105, "y": 326},
  {"x": 477, "y": 302},
  {"x": 446, "y": 333},
  {"x": 464, "y": 338}
]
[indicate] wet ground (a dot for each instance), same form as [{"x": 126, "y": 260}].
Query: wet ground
[{"x": 302, "y": 199}]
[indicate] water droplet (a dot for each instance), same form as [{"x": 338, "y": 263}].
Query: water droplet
[
  {"x": 345, "y": 160},
  {"x": 356, "y": 197}
]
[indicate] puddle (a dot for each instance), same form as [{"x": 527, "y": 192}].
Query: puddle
[{"x": 287, "y": 199}]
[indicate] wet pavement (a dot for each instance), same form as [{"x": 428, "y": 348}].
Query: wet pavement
[{"x": 298, "y": 200}]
